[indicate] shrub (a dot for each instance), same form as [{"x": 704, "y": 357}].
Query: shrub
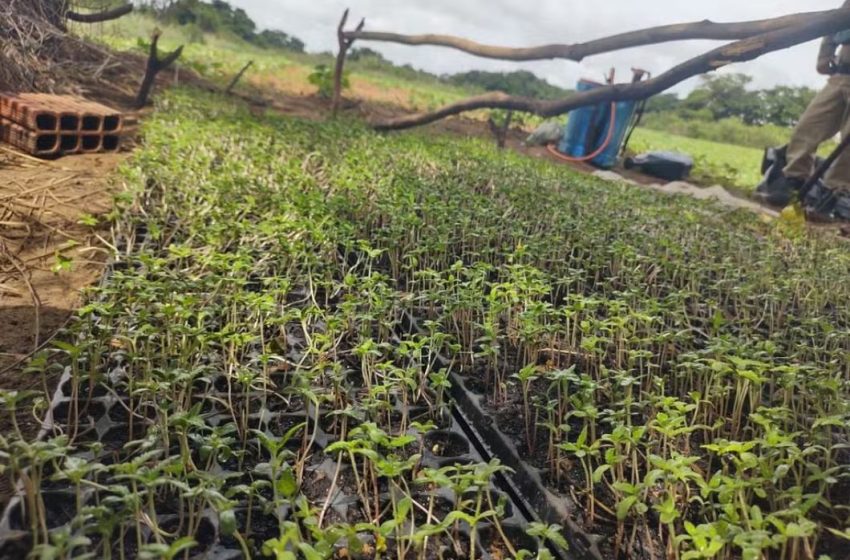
[{"x": 323, "y": 78}]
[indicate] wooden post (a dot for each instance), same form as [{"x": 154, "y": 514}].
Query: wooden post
[
  {"x": 339, "y": 69},
  {"x": 500, "y": 131},
  {"x": 237, "y": 77},
  {"x": 154, "y": 66}
]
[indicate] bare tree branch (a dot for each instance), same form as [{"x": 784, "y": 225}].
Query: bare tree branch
[
  {"x": 98, "y": 17},
  {"x": 154, "y": 66},
  {"x": 344, "y": 45},
  {"x": 577, "y": 52},
  {"x": 739, "y": 51}
]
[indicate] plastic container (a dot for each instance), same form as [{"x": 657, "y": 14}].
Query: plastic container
[
  {"x": 608, "y": 158},
  {"x": 581, "y": 124},
  {"x": 587, "y": 129},
  {"x": 670, "y": 166}
]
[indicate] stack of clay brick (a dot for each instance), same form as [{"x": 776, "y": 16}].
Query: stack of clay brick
[{"x": 51, "y": 125}]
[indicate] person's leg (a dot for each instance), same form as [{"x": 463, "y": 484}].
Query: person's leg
[
  {"x": 838, "y": 176},
  {"x": 821, "y": 121}
]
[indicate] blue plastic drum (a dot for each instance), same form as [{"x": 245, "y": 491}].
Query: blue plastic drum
[{"x": 588, "y": 127}]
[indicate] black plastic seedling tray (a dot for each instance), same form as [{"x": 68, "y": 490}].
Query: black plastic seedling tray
[
  {"x": 467, "y": 436},
  {"x": 524, "y": 484}
]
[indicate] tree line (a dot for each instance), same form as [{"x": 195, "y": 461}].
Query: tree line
[
  {"x": 218, "y": 16},
  {"x": 728, "y": 96}
]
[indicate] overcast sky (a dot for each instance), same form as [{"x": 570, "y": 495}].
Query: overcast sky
[{"x": 533, "y": 22}]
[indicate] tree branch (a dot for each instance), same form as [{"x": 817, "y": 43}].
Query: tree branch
[
  {"x": 578, "y": 51},
  {"x": 739, "y": 51},
  {"x": 236, "y": 78},
  {"x": 154, "y": 66},
  {"x": 98, "y": 17},
  {"x": 339, "y": 69}
]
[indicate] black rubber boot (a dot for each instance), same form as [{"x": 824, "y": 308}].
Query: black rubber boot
[
  {"x": 820, "y": 203},
  {"x": 781, "y": 191},
  {"x": 842, "y": 206}
]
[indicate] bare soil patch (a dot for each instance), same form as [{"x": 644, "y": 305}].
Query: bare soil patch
[{"x": 47, "y": 254}]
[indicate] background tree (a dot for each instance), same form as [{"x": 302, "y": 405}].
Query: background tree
[
  {"x": 783, "y": 105},
  {"x": 365, "y": 53},
  {"x": 725, "y": 96},
  {"x": 663, "y": 103},
  {"x": 521, "y": 82},
  {"x": 728, "y": 97},
  {"x": 275, "y": 39},
  {"x": 218, "y": 16}
]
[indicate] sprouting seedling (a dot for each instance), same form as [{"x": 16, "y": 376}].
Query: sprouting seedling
[
  {"x": 439, "y": 382},
  {"x": 64, "y": 543},
  {"x": 704, "y": 541},
  {"x": 526, "y": 376},
  {"x": 11, "y": 402},
  {"x": 585, "y": 452},
  {"x": 75, "y": 470},
  {"x": 552, "y": 533},
  {"x": 160, "y": 551},
  {"x": 184, "y": 423},
  {"x": 278, "y": 469},
  {"x": 29, "y": 462}
]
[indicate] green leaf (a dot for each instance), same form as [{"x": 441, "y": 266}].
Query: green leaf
[
  {"x": 88, "y": 220},
  {"x": 227, "y": 522},
  {"x": 599, "y": 472},
  {"x": 286, "y": 483},
  {"x": 625, "y": 506}
]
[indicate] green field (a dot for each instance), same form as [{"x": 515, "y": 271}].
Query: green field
[
  {"x": 714, "y": 163},
  {"x": 219, "y": 57}
]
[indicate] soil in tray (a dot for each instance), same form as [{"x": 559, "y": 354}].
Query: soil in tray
[
  {"x": 443, "y": 443},
  {"x": 345, "y": 506},
  {"x": 494, "y": 544},
  {"x": 263, "y": 527},
  {"x": 510, "y": 419},
  {"x": 60, "y": 507}
]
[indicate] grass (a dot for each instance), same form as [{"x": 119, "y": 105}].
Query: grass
[
  {"x": 714, "y": 163},
  {"x": 218, "y": 57},
  {"x": 266, "y": 370}
]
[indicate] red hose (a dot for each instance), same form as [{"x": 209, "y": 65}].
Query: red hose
[{"x": 602, "y": 148}]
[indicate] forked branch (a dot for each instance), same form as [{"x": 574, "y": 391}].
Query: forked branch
[
  {"x": 339, "y": 69},
  {"x": 154, "y": 66},
  {"x": 578, "y": 51},
  {"x": 740, "y": 51}
]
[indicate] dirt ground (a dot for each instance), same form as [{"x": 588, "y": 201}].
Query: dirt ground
[{"x": 46, "y": 254}]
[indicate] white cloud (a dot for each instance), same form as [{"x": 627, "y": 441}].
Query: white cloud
[{"x": 532, "y": 22}]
